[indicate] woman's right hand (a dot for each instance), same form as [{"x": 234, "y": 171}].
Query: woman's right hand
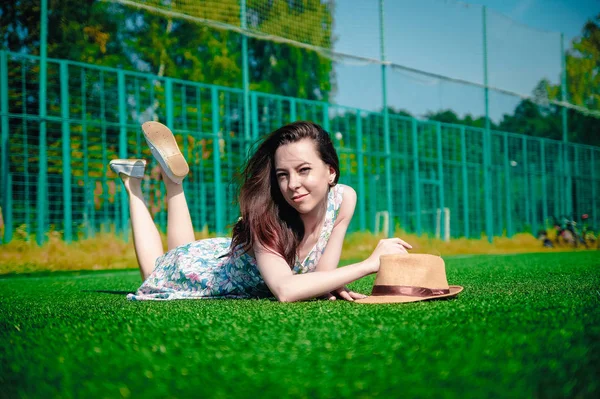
[{"x": 387, "y": 246}]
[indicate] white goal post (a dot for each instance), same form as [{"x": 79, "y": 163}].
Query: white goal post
[{"x": 382, "y": 221}]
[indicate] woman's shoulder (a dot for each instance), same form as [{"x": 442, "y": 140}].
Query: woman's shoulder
[
  {"x": 346, "y": 190},
  {"x": 347, "y": 199},
  {"x": 347, "y": 193}
]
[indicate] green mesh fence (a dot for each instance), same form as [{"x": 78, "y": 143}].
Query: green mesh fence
[
  {"x": 437, "y": 168},
  {"x": 392, "y": 68}
]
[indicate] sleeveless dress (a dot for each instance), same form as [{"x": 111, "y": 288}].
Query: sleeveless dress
[{"x": 204, "y": 269}]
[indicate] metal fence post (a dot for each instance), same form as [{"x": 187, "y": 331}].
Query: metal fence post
[
  {"x": 326, "y": 117},
  {"x": 200, "y": 198},
  {"x": 565, "y": 130},
  {"x": 8, "y": 222},
  {"x": 4, "y": 167},
  {"x": 577, "y": 175},
  {"x": 219, "y": 217},
  {"x": 123, "y": 150},
  {"x": 42, "y": 190},
  {"x": 245, "y": 77},
  {"x": 595, "y": 204},
  {"x": 362, "y": 207},
  {"x": 417, "y": 184},
  {"x": 386, "y": 128},
  {"x": 440, "y": 162},
  {"x": 293, "y": 110},
  {"x": 105, "y": 224},
  {"x": 526, "y": 185},
  {"x": 88, "y": 200},
  {"x": 487, "y": 164},
  {"x": 169, "y": 120},
  {"x": 465, "y": 179},
  {"x": 255, "y": 126},
  {"x": 66, "y": 152},
  {"x": 507, "y": 190},
  {"x": 169, "y": 103},
  {"x": 544, "y": 184}
]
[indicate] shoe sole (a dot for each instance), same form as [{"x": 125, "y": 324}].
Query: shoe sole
[{"x": 164, "y": 147}]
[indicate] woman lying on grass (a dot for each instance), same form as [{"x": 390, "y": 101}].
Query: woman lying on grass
[{"x": 287, "y": 242}]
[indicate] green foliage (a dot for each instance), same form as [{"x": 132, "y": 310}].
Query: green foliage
[
  {"x": 583, "y": 89},
  {"x": 111, "y": 34},
  {"x": 449, "y": 116},
  {"x": 278, "y": 68},
  {"x": 528, "y": 119},
  {"x": 583, "y": 67},
  {"x": 535, "y": 119},
  {"x": 525, "y": 326}
]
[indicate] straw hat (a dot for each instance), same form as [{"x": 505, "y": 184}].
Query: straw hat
[{"x": 410, "y": 278}]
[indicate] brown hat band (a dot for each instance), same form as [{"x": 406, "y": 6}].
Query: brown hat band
[{"x": 407, "y": 290}]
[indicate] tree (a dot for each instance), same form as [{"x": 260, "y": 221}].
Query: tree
[
  {"x": 399, "y": 112},
  {"x": 285, "y": 69},
  {"x": 538, "y": 116},
  {"x": 78, "y": 30},
  {"x": 583, "y": 84},
  {"x": 529, "y": 119},
  {"x": 449, "y": 116},
  {"x": 115, "y": 35}
]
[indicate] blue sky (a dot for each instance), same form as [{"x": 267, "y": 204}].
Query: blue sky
[{"x": 446, "y": 37}]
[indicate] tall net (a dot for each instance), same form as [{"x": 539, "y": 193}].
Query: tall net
[
  {"x": 306, "y": 22},
  {"x": 449, "y": 118},
  {"x": 449, "y": 41}
]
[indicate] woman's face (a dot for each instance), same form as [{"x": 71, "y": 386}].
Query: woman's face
[{"x": 302, "y": 175}]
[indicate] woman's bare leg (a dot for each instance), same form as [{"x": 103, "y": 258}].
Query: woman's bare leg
[
  {"x": 179, "y": 222},
  {"x": 146, "y": 239}
]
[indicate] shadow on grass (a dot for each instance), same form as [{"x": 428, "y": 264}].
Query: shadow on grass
[
  {"x": 110, "y": 292},
  {"x": 64, "y": 273}
]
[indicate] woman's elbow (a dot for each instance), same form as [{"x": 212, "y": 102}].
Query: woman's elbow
[
  {"x": 283, "y": 294},
  {"x": 283, "y": 297}
]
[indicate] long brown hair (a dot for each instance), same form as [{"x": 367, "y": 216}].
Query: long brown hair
[{"x": 265, "y": 215}]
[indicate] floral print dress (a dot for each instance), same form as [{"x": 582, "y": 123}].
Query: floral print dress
[{"x": 203, "y": 269}]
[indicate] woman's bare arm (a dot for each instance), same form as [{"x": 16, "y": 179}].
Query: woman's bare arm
[
  {"x": 333, "y": 251},
  {"x": 289, "y": 287}
]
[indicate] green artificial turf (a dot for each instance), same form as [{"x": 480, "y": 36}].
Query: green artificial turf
[{"x": 525, "y": 326}]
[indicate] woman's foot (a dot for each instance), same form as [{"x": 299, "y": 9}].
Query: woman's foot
[
  {"x": 164, "y": 147},
  {"x": 131, "y": 172},
  {"x": 128, "y": 167}
]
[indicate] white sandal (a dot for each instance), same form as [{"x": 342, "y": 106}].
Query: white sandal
[
  {"x": 164, "y": 147},
  {"x": 129, "y": 167}
]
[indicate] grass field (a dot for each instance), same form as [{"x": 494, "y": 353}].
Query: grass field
[
  {"x": 106, "y": 251},
  {"x": 525, "y": 326}
]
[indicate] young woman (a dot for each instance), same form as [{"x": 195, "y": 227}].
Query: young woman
[{"x": 287, "y": 242}]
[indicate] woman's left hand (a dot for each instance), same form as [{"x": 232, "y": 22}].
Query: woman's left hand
[{"x": 343, "y": 293}]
